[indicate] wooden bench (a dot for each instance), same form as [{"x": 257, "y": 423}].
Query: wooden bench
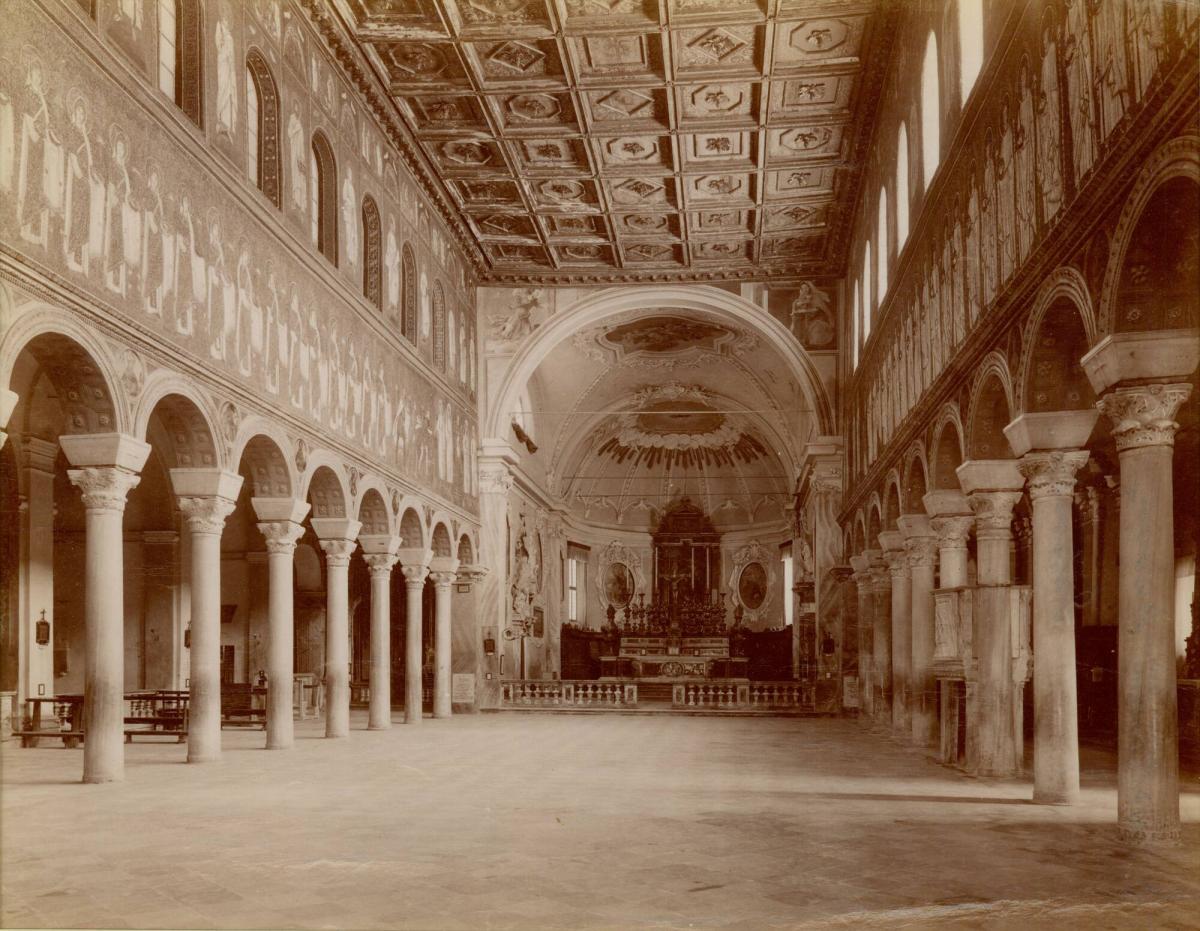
[
  {"x": 67, "y": 709},
  {"x": 162, "y": 713},
  {"x": 237, "y": 705}
]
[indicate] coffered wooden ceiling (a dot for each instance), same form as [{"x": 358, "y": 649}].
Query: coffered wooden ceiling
[{"x": 619, "y": 140}]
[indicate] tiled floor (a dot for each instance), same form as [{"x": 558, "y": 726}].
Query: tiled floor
[{"x": 575, "y": 822}]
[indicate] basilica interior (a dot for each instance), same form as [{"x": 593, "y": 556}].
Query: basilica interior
[{"x": 599, "y": 463}]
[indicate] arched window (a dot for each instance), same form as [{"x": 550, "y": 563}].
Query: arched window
[
  {"x": 866, "y": 304},
  {"x": 856, "y": 324},
  {"x": 408, "y": 319},
  {"x": 970, "y": 44},
  {"x": 181, "y": 55},
  {"x": 323, "y": 198},
  {"x": 439, "y": 326},
  {"x": 931, "y": 113},
  {"x": 372, "y": 253},
  {"x": 901, "y": 188},
  {"x": 883, "y": 244},
  {"x": 262, "y": 120}
]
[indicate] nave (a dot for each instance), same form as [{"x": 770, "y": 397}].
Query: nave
[{"x": 615, "y": 822}]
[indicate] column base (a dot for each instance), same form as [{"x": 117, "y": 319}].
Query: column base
[
  {"x": 279, "y": 745},
  {"x": 204, "y": 758},
  {"x": 379, "y": 727},
  {"x": 95, "y": 780}
]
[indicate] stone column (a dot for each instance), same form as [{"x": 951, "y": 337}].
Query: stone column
[
  {"x": 1051, "y": 477},
  {"x": 866, "y": 656},
  {"x": 108, "y": 467},
  {"x": 881, "y": 642},
  {"x": 921, "y": 549},
  {"x": 280, "y": 526},
  {"x": 338, "y": 538},
  {"x": 1148, "y": 730},
  {"x": 442, "y": 574},
  {"x": 379, "y": 551},
  {"x": 415, "y": 566},
  {"x": 206, "y": 498},
  {"x": 901, "y": 613},
  {"x": 950, "y": 520}
]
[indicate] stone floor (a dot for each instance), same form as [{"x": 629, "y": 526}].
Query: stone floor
[{"x": 532, "y": 821}]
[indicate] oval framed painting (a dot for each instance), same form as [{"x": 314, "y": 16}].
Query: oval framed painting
[
  {"x": 752, "y": 586},
  {"x": 618, "y": 584}
]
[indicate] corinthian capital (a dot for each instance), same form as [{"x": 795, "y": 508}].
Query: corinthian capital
[
  {"x": 414, "y": 576},
  {"x": 380, "y": 564},
  {"x": 338, "y": 551},
  {"x": 1052, "y": 473},
  {"x": 281, "y": 535},
  {"x": 921, "y": 551},
  {"x": 897, "y": 561},
  {"x": 1145, "y": 415},
  {"x": 104, "y": 488},
  {"x": 993, "y": 511},
  {"x": 206, "y": 513},
  {"x": 443, "y": 579},
  {"x": 952, "y": 532}
]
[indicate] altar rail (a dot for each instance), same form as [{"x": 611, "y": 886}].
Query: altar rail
[
  {"x": 753, "y": 696},
  {"x": 538, "y": 693}
]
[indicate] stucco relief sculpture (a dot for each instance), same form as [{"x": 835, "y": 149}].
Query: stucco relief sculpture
[{"x": 518, "y": 322}]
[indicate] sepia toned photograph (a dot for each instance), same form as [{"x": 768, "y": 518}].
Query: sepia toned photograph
[{"x": 599, "y": 465}]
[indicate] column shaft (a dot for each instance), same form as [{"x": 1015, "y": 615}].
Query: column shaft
[
  {"x": 414, "y": 585},
  {"x": 901, "y": 644},
  {"x": 104, "y": 491},
  {"x": 441, "y": 644},
  {"x": 379, "y": 716},
  {"x": 1147, "y": 726},
  {"x": 1051, "y": 479},
  {"x": 881, "y": 599},
  {"x": 337, "y": 644},
  {"x": 204, "y": 702},
  {"x": 924, "y": 686},
  {"x": 281, "y": 537}
]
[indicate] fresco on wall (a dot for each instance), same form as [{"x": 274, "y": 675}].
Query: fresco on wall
[
  {"x": 809, "y": 311},
  {"x": 665, "y": 334},
  {"x": 82, "y": 192}
]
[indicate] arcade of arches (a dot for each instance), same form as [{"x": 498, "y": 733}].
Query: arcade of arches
[{"x": 743, "y": 364}]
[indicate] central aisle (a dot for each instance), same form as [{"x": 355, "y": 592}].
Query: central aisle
[{"x": 530, "y": 821}]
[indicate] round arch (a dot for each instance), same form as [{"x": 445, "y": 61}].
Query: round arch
[
  {"x": 187, "y": 413},
  {"x": 990, "y": 410},
  {"x": 1179, "y": 158},
  {"x": 371, "y": 508},
  {"x": 269, "y": 453},
  {"x": 915, "y": 478},
  {"x": 326, "y": 485},
  {"x": 410, "y": 527},
  {"x": 1064, "y": 284},
  {"x": 42, "y": 320},
  {"x": 939, "y": 464},
  {"x": 892, "y": 500},
  {"x": 698, "y": 298}
]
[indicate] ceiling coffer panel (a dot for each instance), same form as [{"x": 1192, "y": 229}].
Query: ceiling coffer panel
[{"x": 621, "y": 140}]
